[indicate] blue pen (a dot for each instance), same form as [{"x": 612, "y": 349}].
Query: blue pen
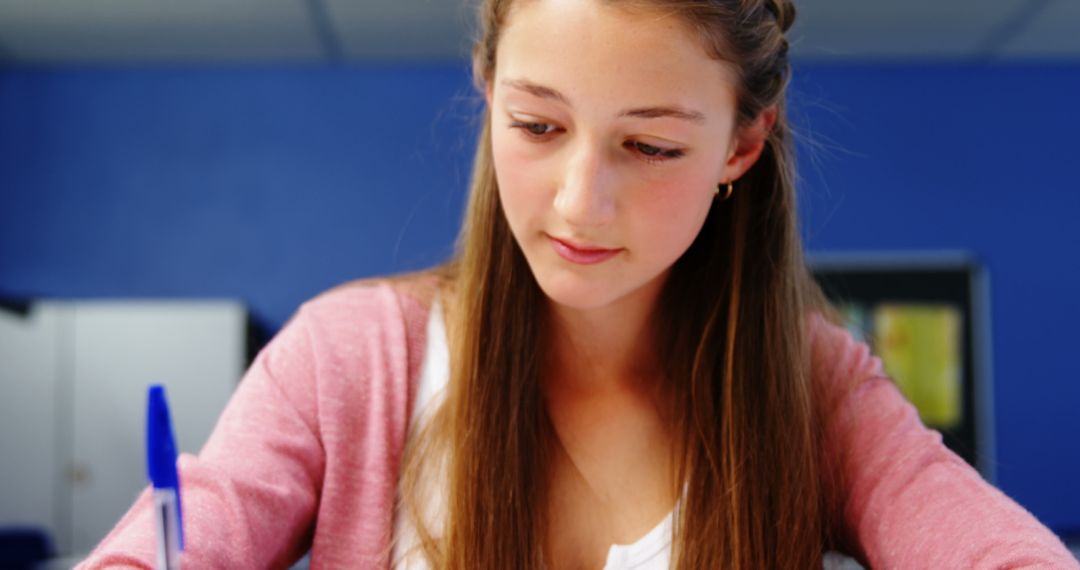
[{"x": 161, "y": 467}]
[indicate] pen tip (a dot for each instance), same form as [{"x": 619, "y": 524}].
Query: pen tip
[{"x": 160, "y": 445}]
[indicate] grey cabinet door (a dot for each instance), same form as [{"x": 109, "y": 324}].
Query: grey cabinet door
[
  {"x": 73, "y": 383},
  {"x": 196, "y": 350},
  {"x": 30, "y": 360}
]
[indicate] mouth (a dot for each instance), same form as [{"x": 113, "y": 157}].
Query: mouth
[{"x": 581, "y": 253}]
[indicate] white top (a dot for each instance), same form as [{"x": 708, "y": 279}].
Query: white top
[{"x": 651, "y": 552}]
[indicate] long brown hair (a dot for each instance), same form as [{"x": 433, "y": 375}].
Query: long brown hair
[{"x": 748, "y": 438}]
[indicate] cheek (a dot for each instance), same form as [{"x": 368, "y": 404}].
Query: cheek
[
  {"x": 521, "y": 188},
  {"x": 671, "y": 213}
]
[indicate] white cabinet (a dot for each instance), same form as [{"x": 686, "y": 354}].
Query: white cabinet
[{"x": 73, "y": 380}]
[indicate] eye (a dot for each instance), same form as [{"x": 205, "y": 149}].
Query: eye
[
  {"x": 533, "y": 130},
  {"x": 654, "y": 154}
]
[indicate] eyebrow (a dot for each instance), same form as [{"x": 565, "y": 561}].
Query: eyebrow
[{"x": 673, "y": 111}]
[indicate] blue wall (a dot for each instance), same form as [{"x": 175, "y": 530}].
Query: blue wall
[
  {"x": 983, "y": 159},
  {"x": 265, "y": 184},
  {"x": 271, "y": 184}
]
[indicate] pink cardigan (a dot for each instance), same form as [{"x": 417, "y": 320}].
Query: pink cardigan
[{"x": 306, "y": 455}]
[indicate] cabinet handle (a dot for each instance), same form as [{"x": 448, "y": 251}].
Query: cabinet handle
[{"x": 79, "y": 473}]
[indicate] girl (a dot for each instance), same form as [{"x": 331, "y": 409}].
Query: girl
[{"x": 627, "y": 363}]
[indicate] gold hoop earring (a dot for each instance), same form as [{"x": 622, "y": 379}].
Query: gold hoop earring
[{"x": 727, "y": 194}]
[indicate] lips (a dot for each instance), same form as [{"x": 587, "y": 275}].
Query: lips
[{"x": 580, "y": 253}]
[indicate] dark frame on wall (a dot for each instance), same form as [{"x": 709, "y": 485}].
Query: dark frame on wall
[{"x": 953, "y": 278}]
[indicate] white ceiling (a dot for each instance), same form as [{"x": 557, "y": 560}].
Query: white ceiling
[{"x": 271, "y": 31}]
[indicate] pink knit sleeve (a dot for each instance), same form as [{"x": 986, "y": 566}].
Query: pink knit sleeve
[
  {"x": 909, "y": 501},
  {"x": 249, "y": 498}
]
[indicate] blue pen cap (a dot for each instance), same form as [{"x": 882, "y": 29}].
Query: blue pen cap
[{"x": 160, "y": 445}]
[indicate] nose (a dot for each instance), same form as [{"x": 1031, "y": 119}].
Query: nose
[{"x": 586, "y": 197}]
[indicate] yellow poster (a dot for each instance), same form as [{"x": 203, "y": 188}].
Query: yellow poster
[{"x": 920, "y": 346}]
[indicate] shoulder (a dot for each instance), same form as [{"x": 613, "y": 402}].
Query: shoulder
[
  {"x": 365, "y": 324},
  {"x": 376, "y": 302},
  {"x": 413, "y": 288},
  {"x": 900, "y": 497}
]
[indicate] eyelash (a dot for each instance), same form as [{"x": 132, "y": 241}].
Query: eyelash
[{"x": 661, "y": 155}]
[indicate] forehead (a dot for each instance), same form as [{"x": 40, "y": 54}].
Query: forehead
[{"x": 603, "y": 56}]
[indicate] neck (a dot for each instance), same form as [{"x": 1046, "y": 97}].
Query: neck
[{"x": 605, "y": 348}]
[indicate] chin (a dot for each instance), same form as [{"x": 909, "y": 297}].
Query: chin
[{"x": 578, "y": 290}]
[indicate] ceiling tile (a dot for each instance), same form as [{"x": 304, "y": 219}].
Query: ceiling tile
[
  {"x": 920, "y": 29},
  {"x": 1054, "y": 32},
  {"x": 155, "y": 31},
  {"x": 405, "y": 29},
  {"x": 243, "y": 31}
]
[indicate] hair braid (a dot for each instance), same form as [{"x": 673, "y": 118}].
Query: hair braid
[{"x": 783, "y": 11}]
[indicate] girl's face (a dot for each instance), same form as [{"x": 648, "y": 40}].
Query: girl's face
[{"x": 610, "y": 129}]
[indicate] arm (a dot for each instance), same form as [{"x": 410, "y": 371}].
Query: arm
[
  {"x": 908, "y": 501},
  {"x": 250, "y": 496}
]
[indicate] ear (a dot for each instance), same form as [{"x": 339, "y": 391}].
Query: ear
[
  {"x": 488, "y": 93},
  {"x": 747, "y": 145}
]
